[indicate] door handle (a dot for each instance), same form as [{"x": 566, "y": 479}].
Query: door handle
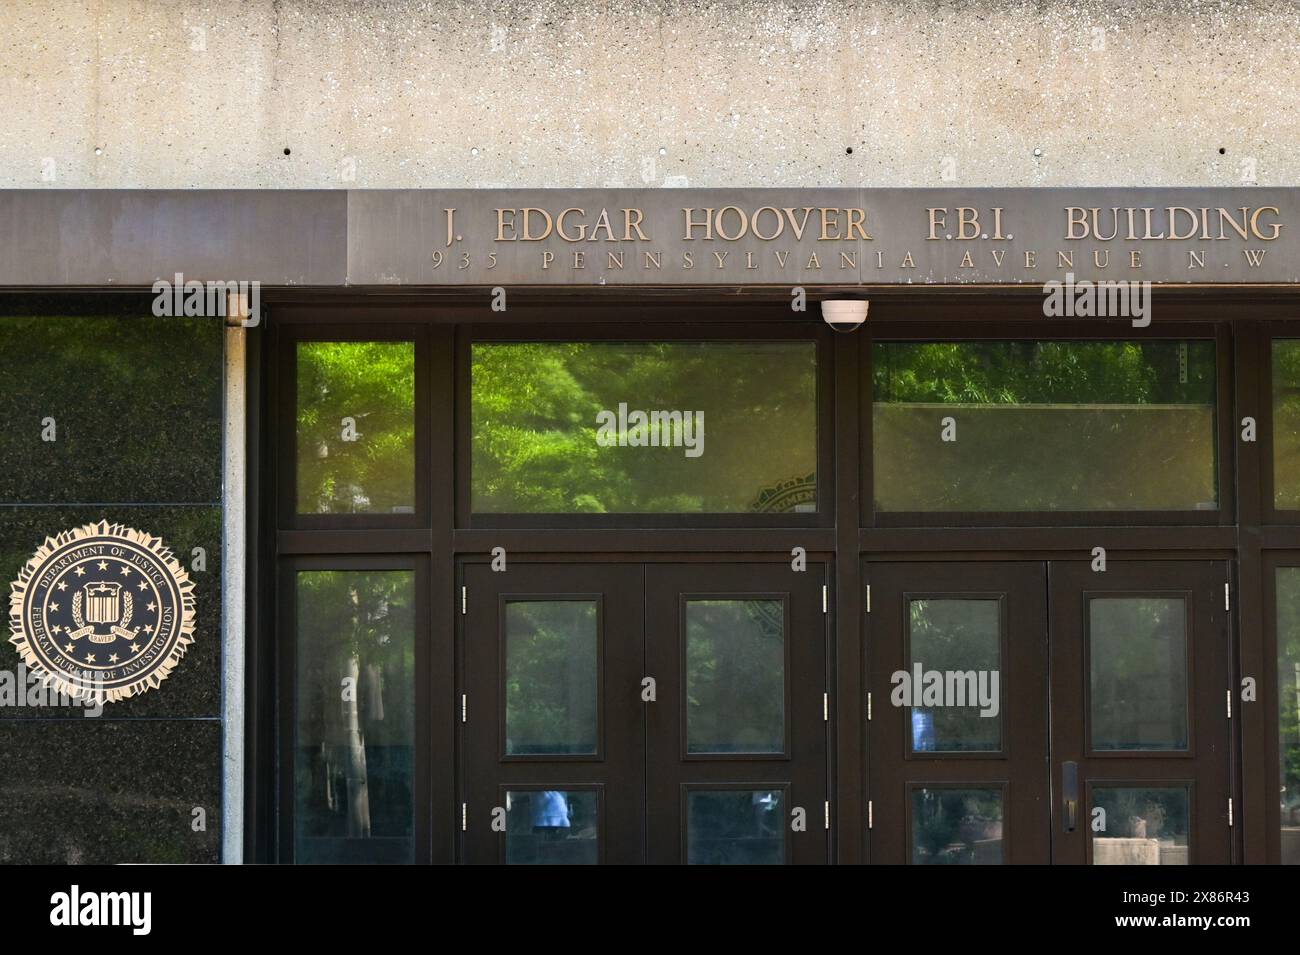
[{"x": 1070, "y": 795}]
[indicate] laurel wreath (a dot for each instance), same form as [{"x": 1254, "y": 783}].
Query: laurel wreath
[{"x": 128, "y": 609}]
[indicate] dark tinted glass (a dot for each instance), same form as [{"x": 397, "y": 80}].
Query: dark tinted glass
[
  {"x": 356, "y": 427},
  {"x": 1044, "y": 426},
  {"x": 669, "y": 427},
  {"x": 354, "y": 769}
]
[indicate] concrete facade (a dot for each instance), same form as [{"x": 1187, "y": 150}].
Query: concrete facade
[{"x": 576, "y": 93}]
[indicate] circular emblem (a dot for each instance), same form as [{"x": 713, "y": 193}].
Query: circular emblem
[{"x": 103, "y": 611}]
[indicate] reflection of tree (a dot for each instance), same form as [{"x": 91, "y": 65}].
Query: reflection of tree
[
  {"x": 948, "y": 825},
  {"x": 355, "y": 632},
  {"x": 374, "y": 384},
  {"x": 1286, "y": 424},
  {"x": 1144, "y": 813},
  {"x": 1034, "y": 419},
  {"x": 735, "y": 665},
  {"x": 1288, "y": 679},
  {"x": 958, "y": 635},
  {"x": 534, "y": 413},
  {"x": 1138, "y": 676},
  {"x": 551, "y": 676}
]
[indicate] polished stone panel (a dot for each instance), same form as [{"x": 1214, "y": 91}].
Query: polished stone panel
[
  {"x": 194, "y": 687},
  {"x": 136, "y": 406},
  {"x": 90, "y": 791}
]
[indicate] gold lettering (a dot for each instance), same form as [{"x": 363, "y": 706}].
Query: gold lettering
[
  {"x": 632, "y": 221},
  {"x": 830, "y": 219},
  {"x": 602, "y": 222},
  {"x": 938, "y": 220},
  {"x": 1096, "y": 226},
  {"x": 1173, "y": 223},
  {"x": 780, "y": 223},
  {"x": 798, "y": 227},
  {"x": 1254, "y": 224},
  {"x": 1239, "y": 229},
  {"x": 692, "y": 224},
  {"x": 858, "y": 224},
  {"x": 502, "y": 224},
  {"x": 720, "y": 224},
  {"x": 528, "y": 219},
  {"x": 1071, "y": 220},
  {"x": 964, "y": 220},
  {"x": 559, "y": 226}
]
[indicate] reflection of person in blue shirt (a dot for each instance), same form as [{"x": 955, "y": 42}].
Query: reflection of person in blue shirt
[
  {"x": 551, "y": 810},
  {"x": 922, "y": 730}
]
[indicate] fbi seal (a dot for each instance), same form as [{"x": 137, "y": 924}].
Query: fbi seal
[{"x": 103, "y": 611}]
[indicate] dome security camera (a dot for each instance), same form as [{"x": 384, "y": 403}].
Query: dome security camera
[{"x": 844, "y": 314}]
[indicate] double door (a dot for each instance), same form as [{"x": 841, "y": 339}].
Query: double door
[
  {"x": 1036, "y": 712},
  {"x": 644, "y": 712}
]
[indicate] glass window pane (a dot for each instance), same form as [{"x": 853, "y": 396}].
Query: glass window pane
[
  {"x": 735, "y": 676},
  {"x": 354, "y": 763},
  {"x": 956, "y": 827},
  {"x": 621, "y": 427},
  {"x": 740, "y": 827},
  {"x": 552, "y": 827},
  {"x": 1141, "y": 826},
  {"x": 1288, "y": 687},
  {"x": 960, "y": 640},
  {"x": 1286, "y": 424},
  {"x": 550, "y": 675},
  {"x": 356, "y": 427},
  {"x": 1044, "y": 426},
  {"x": 1137, "y": 651}
]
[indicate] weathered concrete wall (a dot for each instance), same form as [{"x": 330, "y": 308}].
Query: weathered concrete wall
[{"x": 386, "y": 93}]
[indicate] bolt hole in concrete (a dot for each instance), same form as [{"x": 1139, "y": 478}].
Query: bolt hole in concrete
[
  {"x": 1222, "y": 150},
  {"x": 849, "y": 150},
  {"x": 286, "y": 150}
]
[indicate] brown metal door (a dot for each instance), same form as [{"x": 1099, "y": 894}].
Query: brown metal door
[
  {"x": 736, "y": 739},
  {"x": 1140, "y": 712},
  {"x": 957, "y": 757},
  {"x": 552, "y": 733}
]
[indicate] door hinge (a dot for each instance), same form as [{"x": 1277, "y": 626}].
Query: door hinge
[
  {"x": 1229, "y": 812},
  {"x": 828, "y": 814},
  {"x": 464, "y": 707},
  {"x": 464, "y": 816},
  {"x": 825, "y": 598},
  {"x": 868, "y": 598},
  {"x": 871, "y": 814},
  {"x": 1229, "y": 694},
  {"x": 826, "y": 707},
  {"x": 464, "y": 599},
  {"x": 1227, "y": 596},
  {"x": 868, "y": 707}
]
